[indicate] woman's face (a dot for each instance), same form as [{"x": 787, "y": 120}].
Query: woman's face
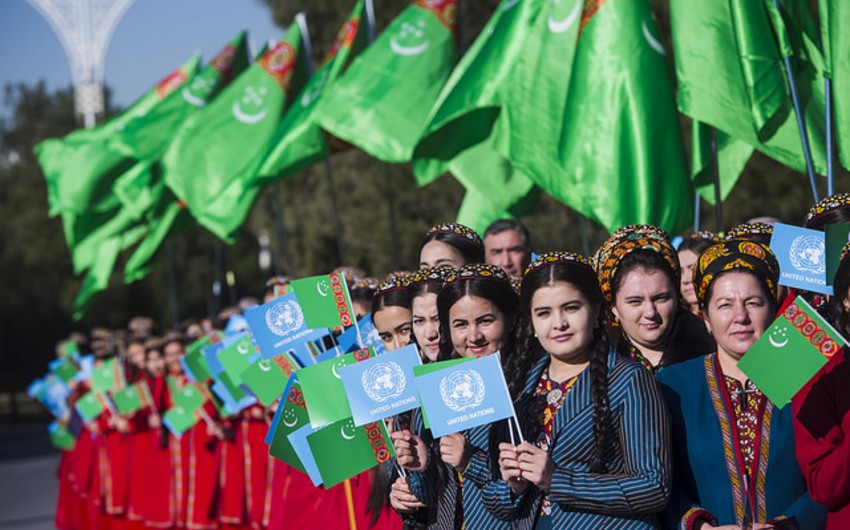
[
  {"x": 563, "y": 319},
  {"x": 136, "y": 355},
  {"x": 737, "y": 313},
  {"x": 645, "y": 305},
  {"x": 393, "y": 325},
  {"x": 436, "y": 253},
  {"x": 155, "y": 364},
  {"x": 172, "y": 354},
  {"x": 477, "y": 327},
  {"x": 426, "y": 324},
  {"x": 687, "y": 260}
]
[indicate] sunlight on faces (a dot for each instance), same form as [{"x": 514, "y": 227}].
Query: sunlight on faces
[
  {"x": 737, "y": 313},
  {"x": 155, "y": 363},
  {"x": 136, "y": 355},
  {"x": 645, "y": 306},
  {"x": 563, "y": 320},
  {"x": 393, "y": 325},
  {"x": 173, "y": 352},
  {"x": 477, "y": 327},
  {"x": 426, "y": 324},
  {"x": 687, "y": 260},
  {"x": 436, "y": 253},
  {"x": 507, "y": 250}
]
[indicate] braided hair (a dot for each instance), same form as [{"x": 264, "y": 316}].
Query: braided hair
[{"x": 573, "y": 269}]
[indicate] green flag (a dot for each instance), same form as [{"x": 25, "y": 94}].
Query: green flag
[
  {"x": 836, "y": 50},
  {"x": 90, "y": 406},
  {"x": 323, "y": 390},
  {"x": 61, "y": 437},
  {"x": 195, "y": 360},
  {"x": 267, "y": 378},
  {"x": 218, "y": 147},
  {"x": 324, "y": 300},
  {"x": 461, "y": 128},
  {"x": 732, "y": 156},
  {"x": 130, "y": 399},
  {"x": 107, "y": 376},
  {"x": 148, "y": 136},
  {"x": 179, "y": 419},
  {"x": 381, "y": 103},
  {"x": 731, "y": 74},
  {"x": 190, "y": 396},
  {"x": 97, "y": 278},
  {"x": 235, "y": 359},
  {"x": 342, "y": 450},
  {"x": 66, "y": 369},
  {"x": 477, "y": 210},
  {"x": 299, "y": 141},
  {"x": 292, "y": 417}
]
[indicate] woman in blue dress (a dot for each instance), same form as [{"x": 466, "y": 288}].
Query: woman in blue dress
[{"x": 734, "y": 458}]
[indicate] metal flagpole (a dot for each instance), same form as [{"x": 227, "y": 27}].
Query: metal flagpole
[
  {"x": 829, "y": 153},
  {"x": 715, "y": 167},
  {"x": 697, "y": 204},
  {"x": 585, "y": 240}
]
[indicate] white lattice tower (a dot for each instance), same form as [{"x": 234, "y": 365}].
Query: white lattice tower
[{"x": 85, "y": 28}]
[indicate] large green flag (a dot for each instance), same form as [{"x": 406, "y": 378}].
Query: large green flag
[
  {"x": 459, "y": 135},
  {"x": 207, "y": 163},
  {"x": 299, "y": 141},
  {"x": 732, "y": 156},
  {"x": 731, "y": 73},
  {"x": 147, "y": 136},
  {"x": 97, "y": 278},
  {"x": 381, "y": 103},
  {"x": 478, "y": 210},
  {"x": 836, "y": 50}
]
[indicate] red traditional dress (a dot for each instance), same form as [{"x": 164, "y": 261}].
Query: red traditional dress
[
  {"x": 65, "y": 497},
  {"x": 158, "y": 496},
  {"x": 231, "y": 478},
  {"x": 139, "y": 444},
  {"x": 258, "y": 468}
]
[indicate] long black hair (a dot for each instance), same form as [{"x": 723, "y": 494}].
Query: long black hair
[
  {"x": 495, "y": 288},
  {"x": 582, "y": 277},
  {"x": 470, "y": 247}
]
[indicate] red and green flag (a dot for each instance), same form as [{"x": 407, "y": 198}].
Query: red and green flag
[
  {"x": 131, "y": 399},
  {"x": 325, "y": 301},
  {"x": 194, "y": 361},
  {"x": 61, "y": 437},
  {"x": 382, "y": 102},
  {"x": 107, "y": 376},
  {"x": 323, "y": 390},
  {"x": 66, "y": 369},
  {"x": 293, "y": 416},
  {"x": 236, "y": 358},
  {"x": 267, "y": 378},
  {"x": 209, "y": 162},
  {"x": 179, "y": 419},
  {"x": 342, "y": 450},
  {"x": 299, "y": 141},
  {"x": 91, "y": 405}
]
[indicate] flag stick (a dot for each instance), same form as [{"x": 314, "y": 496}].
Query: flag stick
[
  {"x": 349, "y": 502},
  {"x": 585, "y": 240},
  {"x": 801, "y": 123},
  {"x": 715, "y": 167},
  {"x": 396, "y": 427},
  {"x": 828, "y": 113},
  {"x": 511, "y": 432},
  {"x": 154, "y": 408},
  {"x": 172, "y": 283},
  {"x": 697, "y": 204},
  {"x": 334, "y": 210}
]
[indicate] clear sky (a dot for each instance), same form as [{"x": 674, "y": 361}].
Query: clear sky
[{"x": 151, "y": 40}]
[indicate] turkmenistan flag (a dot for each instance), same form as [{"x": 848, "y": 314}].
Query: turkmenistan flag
[
  {"x": 148, "y": 136},
  {"x": 194, "y": 363},
  {"x": 460, "y": 131},
  {"x": 179, "y": 419},
  {"x": 66, "y": 369},
  {"x": 208, "y": 163},
  {"x": 97, "y": 278},
  {"x": 381, "y": 103},
  {"x": 237, "y": 357},
  {"x": 836, "y": 50},
  {"x": 130, "y": 399},
  {"x": 620, "y": 156},
  {"x": 342, "y": 450},
  {"x": 266, "y": 378},
  {"x": 731, "y": 74},
  {"x": 61, "y": 437},
  {"x": 90, "y": 406},
  {"x": 107, "y": 376},
  {"x": 324, "y": 300},
  {"x": 291, "y": 416},
  {"x": 323, "y": 390},
  {"x": 190, "y": 396},
  {"x": 299, "y": 141},
  {"x": 732, "y": 156}
]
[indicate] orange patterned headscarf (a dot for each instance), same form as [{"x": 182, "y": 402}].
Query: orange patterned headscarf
[{"x": 749, "y": 256}]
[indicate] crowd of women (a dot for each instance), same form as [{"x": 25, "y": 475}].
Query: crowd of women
[{"x": 623, "y": 368}]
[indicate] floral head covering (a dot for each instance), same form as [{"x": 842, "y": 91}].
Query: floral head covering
[
  {"x": 826, "y": 205},
  {"x": 625, "y": 241},
  {"x": 479, "y": 271},
  {"x": 760, "y": 232},
  {"x": 551, "y": 258},
  {"x": 431, "y": 275},
  {"x": 392, "y": 283},
  {"x": 751, "y": 256},
  {"x": 705, "y": 234},
  {"x": 458, "y": 229}
]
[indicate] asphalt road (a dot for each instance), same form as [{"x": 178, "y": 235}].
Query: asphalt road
[{"x": 28, "y": 485}]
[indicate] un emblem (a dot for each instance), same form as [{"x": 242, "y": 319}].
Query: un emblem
[
  {"x": 383, "y": 381},
  {"x": 807, "y": 254},
  {"x": 462, "y": 390},
  {"x": 284, "y": 318}
]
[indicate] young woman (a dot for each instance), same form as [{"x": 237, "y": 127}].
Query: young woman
[
  {"x": 733, "y": 449},
  {"x": 688, "y": 252},
  {"x": 391, "y": 313},
  {"x": 477, "y": 309},
  {"x": 424, "y": 287},
  {"x": 822, "y": 417},
  {"x": 450, "y": 244},
  {"x": 596, "y": 429},
  {"x": 638, "y": 273}
]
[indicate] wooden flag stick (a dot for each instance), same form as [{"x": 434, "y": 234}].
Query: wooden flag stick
[{"x": 349, "y": 501}]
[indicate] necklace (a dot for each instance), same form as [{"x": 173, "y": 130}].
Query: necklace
[{"x": 556, "y": 394}]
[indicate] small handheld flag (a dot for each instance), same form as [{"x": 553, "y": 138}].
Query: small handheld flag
[
  {"x": 323, "y": 390},
  {"x": 342, "y": 450}
]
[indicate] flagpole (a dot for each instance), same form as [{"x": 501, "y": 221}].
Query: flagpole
[
  {"x": 697, "y": 204},
  {"x": 340, "y": 243},
  {"x": 393, "y": 221},
  {"x": 172, "y": 284},
  {"x": 828, "y": 114},
  {"x": 278, "y": 231},
  {"x": 715, "y": 168},
  {"x": 801, "y": 123},
  {"x": 585, "y": 240},
  {"x": 349, "y": 502}
]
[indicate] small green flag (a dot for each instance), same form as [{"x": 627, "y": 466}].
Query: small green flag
[
  {"x": 191, "y": 396},
  {"x": 195, "y": 360},
  {"x": 90, "y": 406},
  {"x": 325, "y": 301},
  {"x": 69, "y": 349},
  {"x": 235, "y": 359},
  {"x": 218, "y": 148},
  {"x": 342, "y": 450},
  {"x": 148, "y": 136},
  {"x": 298, "y": 141},
  {"x": 61, "y": 437},
  {"x": 790, "y": 352},
  {"x": 107, "y": 376},
  {"x": 179, "y": 419},
  {"x": 267, "y": 378},
  {"x": 292, "y": 417},
  {"x": 66, "y": 369},
  {"x": 130, "y": 399},
  {"x": 381, "y": 103},
  {"x": 323, "y": 390}
]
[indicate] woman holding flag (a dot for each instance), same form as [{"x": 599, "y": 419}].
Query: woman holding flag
[
  {"x": 595, "y": 428},
  {"x": 733, "y": 449}
]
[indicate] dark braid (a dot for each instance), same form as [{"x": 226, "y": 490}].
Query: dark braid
[{"x": 599, "y": 392}]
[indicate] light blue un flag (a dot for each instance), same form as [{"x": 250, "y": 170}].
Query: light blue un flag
[
  {"x": 382, "y": 386},
  {"x": 801, "y": 253},
  {"x": 465, "y": 396},
  {"x": 279, "y": 324}
]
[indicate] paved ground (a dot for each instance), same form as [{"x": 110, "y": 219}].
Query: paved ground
[{"x": 28, "y": 483}]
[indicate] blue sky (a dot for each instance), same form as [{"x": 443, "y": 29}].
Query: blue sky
[{"x": 151, "y": 40}]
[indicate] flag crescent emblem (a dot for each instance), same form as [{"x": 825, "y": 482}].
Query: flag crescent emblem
[
  {"x": 408, "y": 51},
  {"x": 244, "y": 117},
  {"x": 192, "y": 99},
  {"x": 289, "y": 423},
  {"x": 560, "y": 26},
  {"x": 652, "y": 41}
]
